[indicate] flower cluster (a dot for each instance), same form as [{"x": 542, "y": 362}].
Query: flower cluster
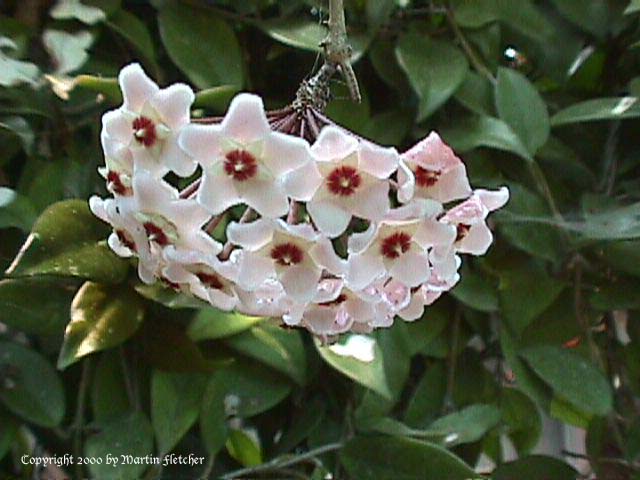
[{"x": 332, "y": 234}]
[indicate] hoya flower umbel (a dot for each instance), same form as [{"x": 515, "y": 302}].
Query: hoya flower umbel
[
  {"x": 472, "y": 233},
  {"x": 294, "y": 254},
  {"x": 349, "y": 178},
  {"x": 147, "y": 124},
  {"x": 434, "y": 171},
  {"x": 243, "y": 160}
]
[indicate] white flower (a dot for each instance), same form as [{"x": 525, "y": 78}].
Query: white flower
[
  {"x": 144, "y": 130},
  {"x": 396, "y": 248},
  {"x": 349, "y": 178},
  {"x": 243, "y": 160},
  {"x": 294, "y": 254},
  {"x": 433, "y": 171},
  {"x": 473, "y": 235}
]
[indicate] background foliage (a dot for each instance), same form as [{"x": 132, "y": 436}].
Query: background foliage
[{"x": 538, "y": 95}]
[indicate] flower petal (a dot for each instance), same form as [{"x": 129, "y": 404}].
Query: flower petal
[
  {"x": 493, "y": 199},
  {"x": 176, "y": 159},
  {"x": 363, "y": 270},
  {"x": 333, "y": 144},
  {"x": 406, "y": 183},
  {"x": 328, "y": 217},
  {"x": 136, "y": 87},
  {"x": 117, "y": 126},
  {"x": 302, "y": 183},
  {"x": 265, "y": 196},
  {"x": 217, "y": 193},
  {"x": 284, "y": 153},
  {"x": 202, "y": 143},
  {"x": 372, "y": 202},
  {"x": 300, "y": 282},
  {"x": 477, "y": 240},
  {"x": 377, "y": 161},
  {"x": 174, "y": 105},
  {"x": 325, "y": 257},
  {"x": 252, "y": 236},
  {"x": 246, "y": 120},
  {"x": 254, "y": 270},
  {"x": 411, "y": 268}
]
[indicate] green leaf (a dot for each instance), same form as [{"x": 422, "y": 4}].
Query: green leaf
[
  {"x": 476, "y": 94},
  {"x": 525, "y": 292},
  {"x": 175, "y": 406},
  {"x": 435, "y": 70},
  {"x": 31, "y": 387},
  {"x": 215, "y": 98},
  {"x": 167, "y": 296},
  {"x": 8, "y": 433},
  {"x": 474, "y": 14},
  {"x": 614, "y": 295},
  {"x": 204, "y": 47},
  {"x": 18, "y": 126},
  {"x": 522, "y": 419},
  {"x": 244, "y": 448},
  {"x": 633, "y": 7},
  {"x": 211, "y": 323},
  {"x": 592, "y": 15},
  {"x": 515, "y": 221},
  {"x": 243, "y": 389},
  {"x": 623, "y": 255},
  {"x": 101, "y": 317},
  {"x": 16, "y": 210},
  {"x": 567, "y": 413},
  {"x": 300, "y": 33},
  {"x": 485, "y": 132},
  {"x": 73, "y": 9},
  {"x": 572, "y": 377},
  {"x": 520, "y": 106},
  {"x": 614, "y": 108},
  {"x": 68, "y": 240},
  {"x": 476, "y": 292},
  {"x": 388, "y": 128},
  {"x": 129, "y": 436},
  {"x": 109, "y": 398},
  {"x": 465, "y": 426},
  {"x": 48, "y": 316},
  {"x": 396, "y": 458},
  {"x": 136, "y": 33},
  {"x": 428, "y": 397},
  {"x": 274, "y": 346},
  {"x": 535, "y": 467},
  {"x": 68, "y": 50},
  {"x": 617, "y": 222},
  {"x": 360, "y": 358}
]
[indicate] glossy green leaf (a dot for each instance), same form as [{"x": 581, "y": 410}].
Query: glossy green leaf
[
  {"x": 567, "y": 413},
  {"x": 615, "y": 108},
  {"x": 572, "y": 377},
  {"x": 68, "y": 240},
  {"x": 535, "y": 467},
  {"x": 101, "y": 317},
  {"x": 592, "y": 15},
  {"x": 8, "y": 432},
  {"x": 522, "y": 419},
  {"x": 210, "y": 323},
  {"x": 131, "y": 435},
  {"x": 48, "y": 316},
  {"x": 632, "y": 7},
  {"x": 520, "y": 106},
  {"x": 31, "y": 388},
  {"x": 136, "y": 33},
  {"x": 623, "y": 255},
  {"x": 360, "y": 358},
  {"x": 525, "y": 292},
  {"x": 435, "y": 70},
  {"x": 476, "y": 292},
  {"x": 274, "y": 346},
  {"x": 202, "y": 45},
  {"x": 109, "y": 398},
  {"x": 394, "y": 458},
  {"x": 485, "y": 132},
  {"x": 167, "y": 296},
  {"x": 428, "y": 397},
  {"x": 477, "y": 94},
  {"x": 175, "y": 405},
  {"x": 16, "y": 210},
  {"x": 465, "y": 426}
]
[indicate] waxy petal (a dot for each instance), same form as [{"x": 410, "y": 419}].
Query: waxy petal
[{"x": 137, "y": 88}]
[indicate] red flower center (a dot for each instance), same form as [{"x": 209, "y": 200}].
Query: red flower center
[
  {"x": 426, "y": 178},
  {"x": 126, "y": 240},
  {"x": 211, "y": 280},
  {"x": 343, "y": 181},
  {"x": 461, "y": 231},
  {"x": 339, "y": 299},
  {"x": 144, "y": 131},
  {"x": 395, "y": 244},
  {"x": 240, "y": 164},
  {"x": 114, "y": 183},
  {"x": 287, "y": 254},
  {"x": 156, "y": 234}
]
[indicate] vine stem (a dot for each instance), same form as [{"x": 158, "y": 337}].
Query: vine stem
[
  {"x": 283, "y": 462},
  {"x": 78, "y": 419}
]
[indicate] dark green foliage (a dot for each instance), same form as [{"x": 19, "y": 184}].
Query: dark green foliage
[{"x": 539, "y": 95}]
